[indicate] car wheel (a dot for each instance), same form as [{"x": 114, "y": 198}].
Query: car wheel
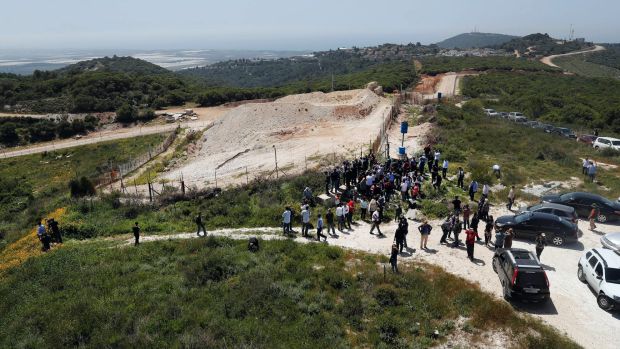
[
  {"x": 580, "y": 275},
  {"x": 596, "y": 147},
  {"x": 604, "y": 302},
  {"x": 601, "y": 218},
  {"x": 557, "y": 240}
]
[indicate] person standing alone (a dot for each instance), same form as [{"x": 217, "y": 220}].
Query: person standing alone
[
  {"x": 200, "y": 225},
  {"x": 286, "y": 221},
  {"x": 425, "y": 231},
  {"x": 305, "y": 221},
  {"x": 375, "y": 223},
  {"x": 136, "y": 234},
  {"x": 541, "y": 242},
  {"x": 511, "y": 198}
]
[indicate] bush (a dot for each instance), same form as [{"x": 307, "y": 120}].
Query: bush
[
  {"x": 386, "y": 296},
  {"x": 82, "y": 187}
]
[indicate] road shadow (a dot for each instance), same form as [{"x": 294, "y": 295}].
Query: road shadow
[
  {"x": 541, "y": 308},
  {"x": 405, "y": 254},
  {"x": 430, "y": 250},
  {"x": 595, "y": 231}
]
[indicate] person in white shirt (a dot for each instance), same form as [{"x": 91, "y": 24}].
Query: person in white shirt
[
  {"x": 584, "y": 166},
  {"x": 319, "y": 229},
  {"x": 511, "y": 198},
  {"x": 370, "y": 179},
  {"x": 497, "y": 171},
  {"x": 485, "y": 190},
  {"x": 375, "y": 223},
  {"x": 404, "y": 190},
  {"x": 340, "y": 216},
  {"x": 305, "y": 221},
  {"x": 345, "y": 214},
  {"x": 437, "y": 156},
  {"x": 286, "y": 221},
  {"x": 444, "y": 169}
]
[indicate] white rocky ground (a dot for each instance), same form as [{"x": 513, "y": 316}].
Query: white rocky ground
[{"x": 303, "y": 128}]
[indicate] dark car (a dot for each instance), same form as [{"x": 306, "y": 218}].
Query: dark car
[
  {"x": 527, "y": 226},
  {"x": 521, "y": 275},
  {"x": 564, "y": 132},
  {"x": 587, "y": 139},
  {"x": 582, "y": 202},
  {"x": 559, "y": 210}
]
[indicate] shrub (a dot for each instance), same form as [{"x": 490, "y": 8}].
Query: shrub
[
  {"x": 386, "y": 295},
  {"x": 82, "y": 187}
]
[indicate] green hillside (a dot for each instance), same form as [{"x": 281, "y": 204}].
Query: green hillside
[
  {"x": 115, "y": 64},
  {"x": 475, "y": 40}
]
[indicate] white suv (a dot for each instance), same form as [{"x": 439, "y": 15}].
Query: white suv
[
  {"x": 606, "y": 142},
  {"x": 600, "y": 268}
]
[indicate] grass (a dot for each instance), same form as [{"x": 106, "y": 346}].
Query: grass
[
  {"x": 469, "y": 139},
  {"x": 214, "y": 293},
  {"x": 33, "y": 185},
  {"x": 579, "y": 65}
]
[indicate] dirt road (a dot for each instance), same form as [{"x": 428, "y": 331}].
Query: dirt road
[
  {"x": 549, "y": 59},
  {"x": 448, "y": 84},
  {"x": 206, "y": 116},
  {"x": 572, "y": 310}
]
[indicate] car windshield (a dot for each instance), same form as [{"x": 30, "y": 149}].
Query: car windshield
[
  {"x": 612, "y": 275},
  {"x": 522, "y": 217}
]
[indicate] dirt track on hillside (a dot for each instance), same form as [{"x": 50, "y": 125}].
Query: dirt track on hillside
[{"x": 549, "y": 59}]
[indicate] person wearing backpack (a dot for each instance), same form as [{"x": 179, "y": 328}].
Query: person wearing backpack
[
  {"x": 446, "y": 227},
  {"x": 394, "y": 258},
  {"x": 375, "y": 222},
  {"x": 200, "y": 225}
]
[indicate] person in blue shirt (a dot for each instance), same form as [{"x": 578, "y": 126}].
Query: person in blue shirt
[
  {"x": 473, "y": 188},
  {"x": 319, "y": 229}
]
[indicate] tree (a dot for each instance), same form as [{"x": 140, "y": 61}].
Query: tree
[
  {"x": 8, "y": 134},
  {"x": 82, "y": 187},
  {"x": 126, "y": 113}
]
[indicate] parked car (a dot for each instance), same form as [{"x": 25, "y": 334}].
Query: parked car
[
  {"x": 521, "y": 275},
  {"x": 517, "y": 117},
  {"x": 527, "y": 225},
  {"x": 562, "y": 211},
  {"x": 587, "y": 139},
  {"x": 582, "y": 202},
  {"x": 600, "y": 268},
  {"x": 564, "y": 132},
  {"x": 545, "y": 127},
  {"x": 606, "y": 142},
  {"x": 532, "y": 124},
  {"x": 611, "y": 241},
  {"x": 504, "y": 114},
  {"x": 491, "y": 112}
]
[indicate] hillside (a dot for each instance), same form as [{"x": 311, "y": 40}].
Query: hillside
[
  {"x": 475, "y": 40},
  {"x": 542, "y": 45},
  {"x": 115, "y": 65},
  {"x": 319, "y": 65}
]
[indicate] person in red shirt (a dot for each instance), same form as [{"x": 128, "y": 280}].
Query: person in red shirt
[
  {"x": 469, "y": 242},
  {"x": 349, "y": 217}
]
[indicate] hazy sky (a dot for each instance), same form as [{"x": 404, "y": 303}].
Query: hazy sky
[{"x": 289, "y": 24}]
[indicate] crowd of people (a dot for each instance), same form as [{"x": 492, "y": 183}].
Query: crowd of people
[{"x": 371, "y": 186}]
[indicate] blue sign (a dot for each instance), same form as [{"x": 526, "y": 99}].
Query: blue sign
[
  {"x": 401, "y": 150},
  {"x": 404, "y": 127}
]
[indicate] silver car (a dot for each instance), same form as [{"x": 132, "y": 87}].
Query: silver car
[{"x": 611, "y": 241}]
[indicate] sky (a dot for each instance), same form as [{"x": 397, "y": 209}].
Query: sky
[{"x": 289, "y": 24}]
